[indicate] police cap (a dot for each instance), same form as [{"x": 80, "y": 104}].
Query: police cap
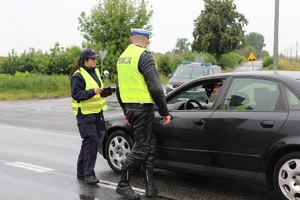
[
  {"x": 138, "y": 31},
  {"x": 237, "y": 97},
  {"x": 89, "y": 53}
]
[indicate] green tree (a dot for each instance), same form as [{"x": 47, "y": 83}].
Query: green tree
[
  {"x": 245, "y": 51},
  {"x": 219, "y": 28},
  {"x": 265, "y": 53},
  {"x": 33, "y": 61},
  {"x": 62, "y": 60},
  {"x": 164, "y": 65},
  {"x": 230, "y": 60},
  {"x": 109, "y": 25},
  {"x": 257, "y": 41},
  {"x": 10, "y": 64},
  {"x": 267, "y": 61},
  {"x": 182, "y": 45},
  {"x": 28, "y": 61}
]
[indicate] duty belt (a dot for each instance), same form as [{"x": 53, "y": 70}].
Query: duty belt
[{"x": 130, "y": 106}]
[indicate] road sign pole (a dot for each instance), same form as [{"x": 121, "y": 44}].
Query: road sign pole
[
  {"x": 252, "y": 58},
  {"x": 101, "y": 71},
  {"x": 102, "y": 54}
]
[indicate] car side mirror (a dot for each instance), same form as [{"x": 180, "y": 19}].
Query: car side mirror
[
  {"x": 170, "y": 75},
  {"x": 105, "y": 73}
]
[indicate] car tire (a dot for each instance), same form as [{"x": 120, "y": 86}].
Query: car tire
[
  {"x": 118, "y": 145},
  {"x": 287, "y": 176}
]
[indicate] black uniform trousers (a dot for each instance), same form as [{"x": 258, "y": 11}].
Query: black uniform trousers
[
  {"x": 90, "y": 127},
  {"x": 141, "y": 117}
]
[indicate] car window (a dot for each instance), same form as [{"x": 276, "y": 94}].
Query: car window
[
  {"x": 189, "y": 99},
  {"x": 198, "y": 72},
  {"x": 216, "y": 70},
  {"x": 183, "y": 72},
  {"x": 252, "y": 94},
  {"x": 293, "y": 100}
]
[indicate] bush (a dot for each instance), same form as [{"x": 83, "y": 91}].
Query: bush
[
  {"x": 164, "y": 65},
  {"x": 28, "y": 86},
  {"x": 268, "y": 61},
  {"x": 230, "y": 60},
  {"x": 167, "y": 63},
  {"x": 286, "y": 64},
  {"x": 209, "y": 58}
]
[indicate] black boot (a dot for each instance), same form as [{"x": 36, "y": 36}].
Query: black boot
[
  {"x": 124, "y": 187},
  {"x": 151, "y": 191}
]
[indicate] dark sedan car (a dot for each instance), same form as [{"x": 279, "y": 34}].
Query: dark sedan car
[{"x": 236, "y": 125}]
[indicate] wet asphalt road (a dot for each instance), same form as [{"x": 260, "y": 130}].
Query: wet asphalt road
[
  {"x": 39, "y": 145},
  {"x": 44, "y": 133}
]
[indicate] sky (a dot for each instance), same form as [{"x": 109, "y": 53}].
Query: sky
[{"x": 39, "y": 24}]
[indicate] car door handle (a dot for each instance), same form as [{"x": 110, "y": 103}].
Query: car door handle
[
  {"x": 198, "y": 122},
  {"x": 267, "y": 124}
]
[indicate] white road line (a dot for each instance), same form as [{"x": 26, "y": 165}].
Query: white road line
[
  {"x": 29, "y": 166},
  {"x": 112, "y": 185},
  {"x": 103, "y": 183}
]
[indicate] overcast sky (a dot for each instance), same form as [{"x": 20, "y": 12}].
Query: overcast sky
[{"x": 41, "y": 23}]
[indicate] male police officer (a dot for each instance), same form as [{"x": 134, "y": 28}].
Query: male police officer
[
  {"x": 138, "y": 89},
  {"x": 237, "y": 102}
]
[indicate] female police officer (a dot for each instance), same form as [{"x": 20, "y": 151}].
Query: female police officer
[{"x": 88, "y": 106}]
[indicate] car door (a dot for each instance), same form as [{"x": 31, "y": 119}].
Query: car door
[
  {"x": 237, "y": 138},
  {"x": 182, "y": 143}
]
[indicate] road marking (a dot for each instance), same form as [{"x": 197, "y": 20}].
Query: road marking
[
  {"x": 103, "y": 183},
  {"x": 30, "y": 166},
  {"x": 112, "y": 185}
]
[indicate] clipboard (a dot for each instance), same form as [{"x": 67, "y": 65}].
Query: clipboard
[{"x": 107, "y": 91}]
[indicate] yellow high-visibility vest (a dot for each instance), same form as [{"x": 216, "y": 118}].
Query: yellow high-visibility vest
[
  {"x": 93, "y": 105},
  {"x": 132, "y": 85}
]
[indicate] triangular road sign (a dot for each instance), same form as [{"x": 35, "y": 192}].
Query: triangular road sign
[{"x": 252, "y": 57}]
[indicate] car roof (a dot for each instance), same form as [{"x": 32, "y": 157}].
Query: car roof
[
  {"x": 290, "y": 77},
  {"x": 272, "y": 74},
  {"x": 196, "y": 64}
]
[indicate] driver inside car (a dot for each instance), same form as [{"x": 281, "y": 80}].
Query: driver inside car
[{"x": 212, "y": 91}]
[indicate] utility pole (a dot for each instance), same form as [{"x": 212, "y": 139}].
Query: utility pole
[
  {"x": 275, "y": 49},
  {"x": 296, "y": 51},
  {"x": 291, "y": 55}
]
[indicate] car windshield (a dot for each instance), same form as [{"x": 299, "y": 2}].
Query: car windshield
[
  {"x": 190, "y": 72},
  {"x": 198, "y": 72}
]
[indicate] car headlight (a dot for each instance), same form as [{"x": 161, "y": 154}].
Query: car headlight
[{"x": 170, "y": 86}]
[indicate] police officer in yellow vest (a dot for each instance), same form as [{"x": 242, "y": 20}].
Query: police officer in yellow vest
[
  {"x": 236, "y": 103},
  {"x": 88, "y": 106},
  {"x": 138, "y": 89}
]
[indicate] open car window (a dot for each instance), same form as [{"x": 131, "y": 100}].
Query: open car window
[{"x": 199, "y": 97}]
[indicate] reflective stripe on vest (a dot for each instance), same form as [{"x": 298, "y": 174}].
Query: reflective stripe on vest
[
  {"x": 96, "y": 103},
  {"x": 132, "y": 85}
]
